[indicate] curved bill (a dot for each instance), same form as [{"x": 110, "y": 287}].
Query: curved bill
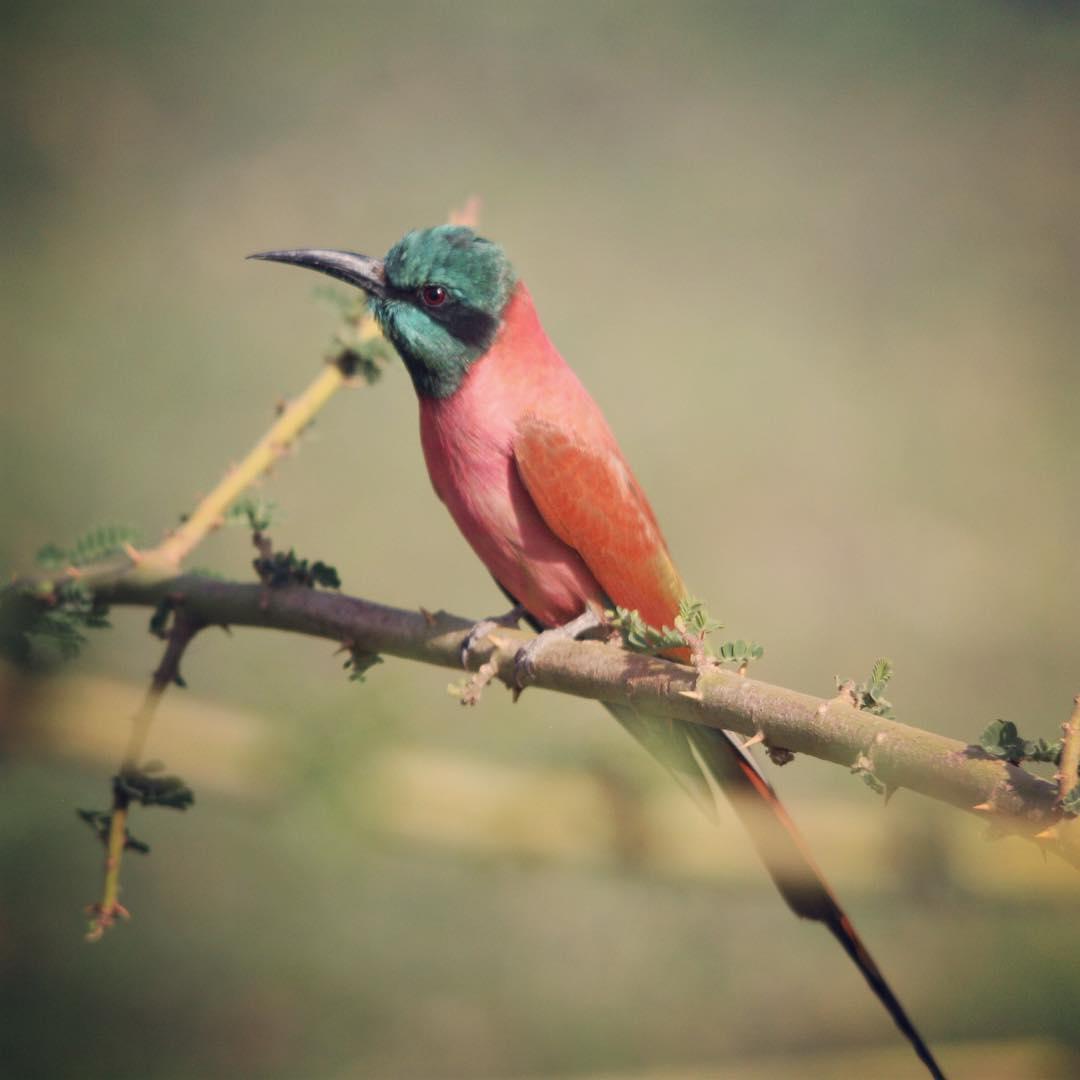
[{"x": 360, "y": 270}]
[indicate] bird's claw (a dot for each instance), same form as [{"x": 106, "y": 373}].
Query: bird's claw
[
  {"x": 477, "y": 634},
  {"x": 484, "y": 627},
  {"x": 524, "y": 660}
]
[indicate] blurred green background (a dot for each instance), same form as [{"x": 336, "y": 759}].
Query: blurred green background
[{"x": 818, "y": 262}]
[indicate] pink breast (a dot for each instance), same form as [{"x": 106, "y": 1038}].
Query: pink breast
[{"x": 468, "y": 446}]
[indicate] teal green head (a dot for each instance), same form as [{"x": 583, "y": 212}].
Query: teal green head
[{"x": 439, "y": 296}]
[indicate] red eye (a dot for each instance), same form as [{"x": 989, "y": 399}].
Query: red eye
[{"x": 433, "y": 295}]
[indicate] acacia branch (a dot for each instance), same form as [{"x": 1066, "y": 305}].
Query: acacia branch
[
  {"x": 108, "y": 909},
  {"x": 292, "y": 419},
  {"x": 833, "y": 730}
]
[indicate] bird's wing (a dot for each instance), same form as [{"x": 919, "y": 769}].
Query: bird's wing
[
  {"x": 587, "y": 495},
  {"x": 589, "y": 498}
]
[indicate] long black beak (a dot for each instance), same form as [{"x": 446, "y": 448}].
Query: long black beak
[{"x": 360, "y": 270}]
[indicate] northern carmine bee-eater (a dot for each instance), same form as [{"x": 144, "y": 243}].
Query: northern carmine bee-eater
[{"x": 529, "y": 469}]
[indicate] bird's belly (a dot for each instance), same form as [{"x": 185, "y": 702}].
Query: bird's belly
[{"x": 493, "y": 510}]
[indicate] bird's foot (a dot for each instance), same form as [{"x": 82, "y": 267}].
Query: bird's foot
[
  {"x": 585, "y": 625},
  {"x": 484, "y": 627}
]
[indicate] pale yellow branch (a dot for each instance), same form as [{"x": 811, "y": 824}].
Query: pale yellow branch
[{"x": 294, "y": 418}]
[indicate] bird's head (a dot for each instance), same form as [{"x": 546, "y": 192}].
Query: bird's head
[{"x": 439, "y": 296}]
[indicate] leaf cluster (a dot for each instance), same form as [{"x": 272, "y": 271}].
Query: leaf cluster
[
  {"x": 254, "y": 511},
  {"x": 639, "y": 636},
  {"x": 694, "y": 619},
  {"x": 356, "y": 357},
  {"x": 91, "y": 547},
  {"x": 1001, "y": 739},
  {"x": 740, "y": 652},
  {"x": 42, "y": 624},
  {"x": 359, "y": 663},
  {"x": 147, "y": 788},
  {"x": 282, "y": 568},
  {"x": 692, "y": 625},
  {"x": 870, "y": 695},
  {"x": 39, "y": 628},
  {"x": 364, "y": 365}
]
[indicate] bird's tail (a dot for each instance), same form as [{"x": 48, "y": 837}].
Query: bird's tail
[{"x": 691, "y": 752}]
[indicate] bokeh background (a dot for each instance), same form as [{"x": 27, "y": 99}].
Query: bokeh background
[{"x": 817, "y": 261}]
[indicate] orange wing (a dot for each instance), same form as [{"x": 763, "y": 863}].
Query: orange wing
[{"x": 590, "y": 499}]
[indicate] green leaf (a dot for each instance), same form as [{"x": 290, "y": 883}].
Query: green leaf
[
  {"x": 101, "y": 542},
  {"x": 638, "y": 636},
  {"x": 870, "y": 695},
  {"x": 287, "y": 568},
  {"x": 1071, "y": 803},
  {"x": 359, "y": 663},
  {"x": 91, "y": 547},
  {"x": 1041, "y": 750},
  {"x": 695, "y": 618},
  {"x": 254, "y": 511},
  {"x": 881, "y": 672},
  {"x": 326, "y": 576},
  {"x": 695, "y": 622},
  {"x": 52, "y": 557},
  {"x": 1001, "y": 739},
  {"x": 740, "y": 652},
  {"x": 169, "y": 791},
  {"x": 357, "y": 364},
  {"x": 41, "y": 627}
]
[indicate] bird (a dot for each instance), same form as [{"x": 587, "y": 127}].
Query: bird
[{"x": 530, "y": 471}]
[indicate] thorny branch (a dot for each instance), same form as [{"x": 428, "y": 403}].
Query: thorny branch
[
  {"x": 108, "y": 909},
  {"x": 128, "y": 566},
  {"x": 831, "y": 729}
]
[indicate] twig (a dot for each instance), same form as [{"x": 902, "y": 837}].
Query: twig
[
  {"x": 106, "y": 911},
  {"x": 293, "y": 419},
  {"x": 833, "y": 729},
  {"x": 165, "y": 560}
]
